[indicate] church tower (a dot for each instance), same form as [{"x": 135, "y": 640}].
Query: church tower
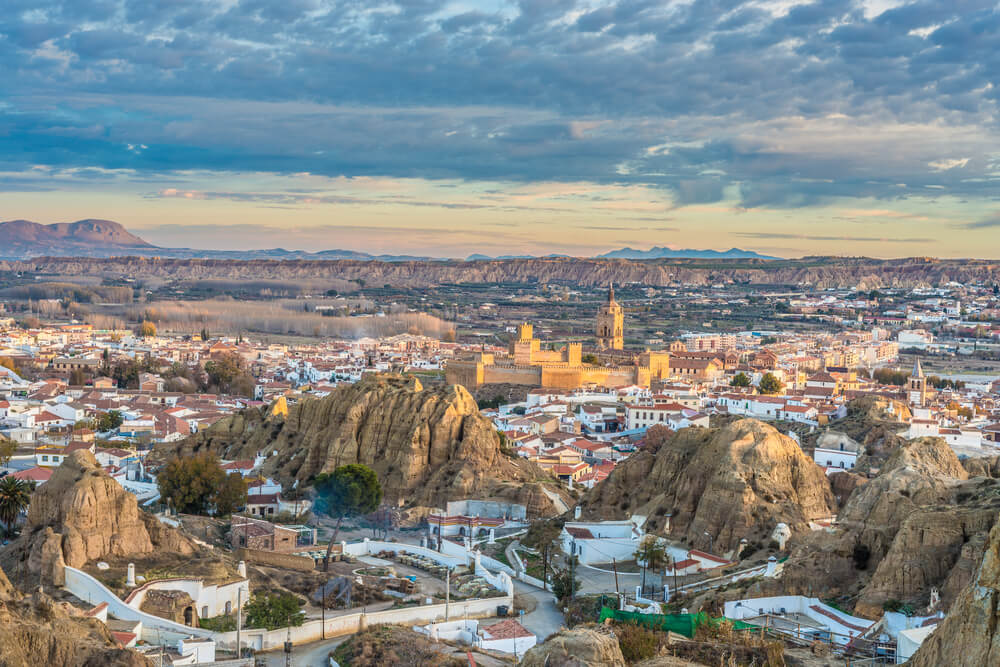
[
  {"x": 611, "y": 324},
  {"x": 917, "y": 386}
]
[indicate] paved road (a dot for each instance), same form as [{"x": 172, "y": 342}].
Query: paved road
[
  {"x": 547, "y": 618},
  {"x": 305, "y": 655},
  {"x": 21, "y": 462},
  {"x": 556, "y": 500}
]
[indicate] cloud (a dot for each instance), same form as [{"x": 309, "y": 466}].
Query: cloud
[
  {"x": 817, "y": 237},
  {"x": 762, "y": 104},
  {"x": 986, "y": 223}
]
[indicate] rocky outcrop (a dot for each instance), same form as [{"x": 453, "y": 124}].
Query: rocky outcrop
[
  {"x": 82, "y": 515},
  {"x": 36, "y": 630},
  {"x": 969, "y": 636},
  {"x": 427, "y": 446},
  {"x": 732, "y": 483},
  {"x": 918, "y": 525},
  {"x": 583, "y": 646}
]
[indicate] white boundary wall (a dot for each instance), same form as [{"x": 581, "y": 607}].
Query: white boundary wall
[{"x": 86, "y": 587}]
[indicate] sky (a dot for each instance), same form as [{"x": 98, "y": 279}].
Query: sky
[{"x": 839, "y": 127}]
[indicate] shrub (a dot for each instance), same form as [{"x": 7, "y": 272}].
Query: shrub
[{"x": 637, "y": 641}]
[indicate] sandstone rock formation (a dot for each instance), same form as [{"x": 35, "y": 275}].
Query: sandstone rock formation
[
  {"x": 855, "y": 272},
  {"x": 969, "y": 636},
  {"x": 36, "y": 630},
  {"x": 919, "y": 524},
  {"x": 583, "y": 646},
  {"x": 82, "y": 515},
  {"x": 734, "y": 482},
  {"x": 427, "y": 446}
]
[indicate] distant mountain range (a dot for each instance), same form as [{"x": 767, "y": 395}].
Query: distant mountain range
[
  {"x": 23, "y": 239},
  {"x": 658, "y": 252}
]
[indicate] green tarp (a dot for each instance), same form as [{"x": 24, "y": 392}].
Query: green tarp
[{"x": 682, "y": 624}]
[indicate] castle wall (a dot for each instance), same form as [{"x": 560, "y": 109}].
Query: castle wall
[{"x": 466, "y": 373}]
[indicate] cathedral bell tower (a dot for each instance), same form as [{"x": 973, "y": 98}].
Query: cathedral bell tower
[
  {"x": 917, "y": 386},
  {"x": 611, "y": 324}
]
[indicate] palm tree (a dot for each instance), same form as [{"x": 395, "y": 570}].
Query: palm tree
[{"x": 15, "y": 494}]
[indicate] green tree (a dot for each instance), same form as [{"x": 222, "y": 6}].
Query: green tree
[
  {"x": 7, "y": 450},
  {"x": 589, "y": 358},
  {"x": 769, "y": 384},
  {"x": 544, "y": 536},
  {"x": 15, "y": 495},
  {"x": 231, "y": 495},
  {"x": 192, "y": 484},
  {"x": 204, "y": 334},
  {"x": 652, "y": 554},
  {"x": 741, "y": 379},
  {"x": 109, "y": 421},
  {"x": 564, "y": 585},
  {"x": 273, "y": 610},
  {"x": 350, "y": 490}
]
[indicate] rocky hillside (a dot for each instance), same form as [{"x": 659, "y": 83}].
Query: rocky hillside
[
  {"x": 733, "y": 482},
  {"x": 861, "y": 273},
  {"x": 427, "y": 446},
  {"x": 88, "y": 238},
  {"x": 970, "y": 635},
  {"x": 36, "y": 630},
  {"x": 921, "y": 523},
  {"x": 82, "y": 515}
]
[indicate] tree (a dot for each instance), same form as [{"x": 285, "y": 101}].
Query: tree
[
  {"x": 15, "y": 495},
  {"x": 589, "y": 359},
  {"x": 769, "y": 384},
  {"x": 196, "y": 484},
  {"x": 652, "y": 554},
  {"x": 273, "y": 610},
  {"x": 204, "y": 334},
  {"x": 350, "y": 490},
  {"x": 7, "y": 450},
  {"x": 146, "y": 329},
  {"x": 231, "y": 495},
  {"x": 109, "y": 421},
  {"x": 544, "y": 536},
  {"x": 564, "y": 585},
  {"x": 741, "y": 379}
]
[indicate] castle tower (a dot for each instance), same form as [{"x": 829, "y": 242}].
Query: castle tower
[
  {"x": 611, "y": 324},
  {"x": 917, "y": 386}
]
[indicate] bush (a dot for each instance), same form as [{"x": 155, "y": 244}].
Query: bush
[
  {"x": 637, "y": 642},
  {"x": 224, "y": 623}
]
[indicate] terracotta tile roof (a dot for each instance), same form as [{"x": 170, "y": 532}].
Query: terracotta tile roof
[{"x": 509, "y": 629}]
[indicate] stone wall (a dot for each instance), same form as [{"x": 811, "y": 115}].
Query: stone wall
[{"x": 272, "y": 559}]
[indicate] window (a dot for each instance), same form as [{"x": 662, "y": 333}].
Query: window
[
  {"x": 204, "y": 611},
  {"x": 229, "y": 607},
  {"x": 45, "y": 458}
]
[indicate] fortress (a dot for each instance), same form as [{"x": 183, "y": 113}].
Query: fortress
[{"x": 527, "y": 364}]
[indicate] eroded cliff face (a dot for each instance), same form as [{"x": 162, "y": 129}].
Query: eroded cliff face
[
  {"x": 734, "y": 482},
  {"x": 427, "y": 446},
  {"x": 920, "y": 524},
  {"x": 36, "y": 630},
  {"x": 862, "y": 273},
  {"x": 969, "y": 636},
  {"x": 82, "y": 515}
]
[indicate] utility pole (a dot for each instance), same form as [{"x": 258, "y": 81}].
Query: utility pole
[
  {"x": 572, "y": 570},
  {"x": 614, "y": 564},
  {"x": 447, "y": 592},
  {"x": 239, "y": 621}
]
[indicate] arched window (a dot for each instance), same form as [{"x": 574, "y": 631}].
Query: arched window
[{"x": 229, "y": 607}]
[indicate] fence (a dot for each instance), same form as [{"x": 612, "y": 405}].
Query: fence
[{"x": 682, "y": 624}]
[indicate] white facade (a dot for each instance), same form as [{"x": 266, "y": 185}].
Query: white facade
[{"x": 835, "y": 458}]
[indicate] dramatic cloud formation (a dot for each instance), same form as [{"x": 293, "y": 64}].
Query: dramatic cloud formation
[{"x": 883, "y": 106}]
